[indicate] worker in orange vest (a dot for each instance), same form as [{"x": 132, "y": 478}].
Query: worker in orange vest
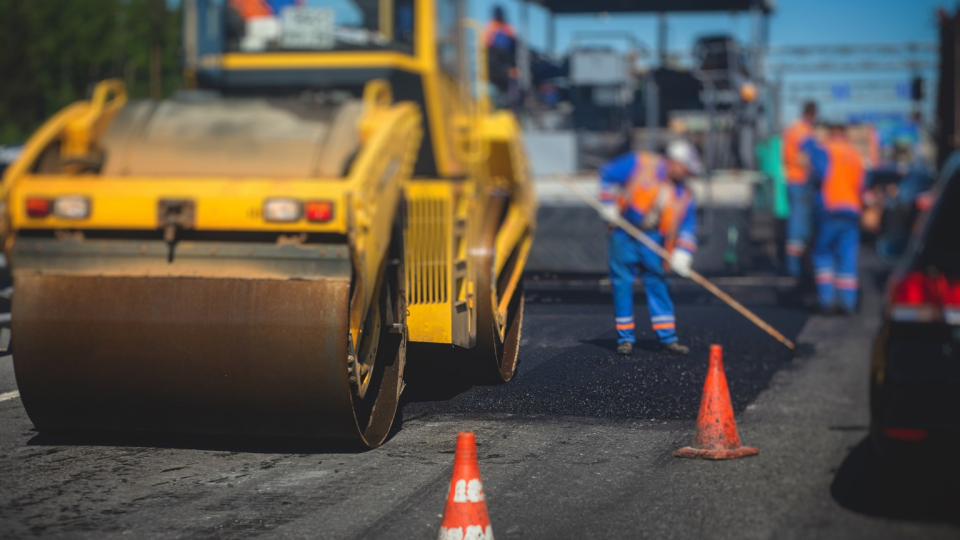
[
  {"x": 648, "y": 191},
  {"x": 251, "y": 9},
  {"x": 799, "y": 226},
  {"x": 838, "y": 171},
  {"x": 500, "y": 39}
]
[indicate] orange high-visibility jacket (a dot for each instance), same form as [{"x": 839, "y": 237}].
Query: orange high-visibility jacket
[
  {"x": 649, "y": 200},
  {"x": 839, "y": 169},
  {"x": 794, "y": 161}
]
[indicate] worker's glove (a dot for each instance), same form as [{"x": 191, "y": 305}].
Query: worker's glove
[
  {"x": 680, "y": 262},
  {"x": 611, "y": 214}
]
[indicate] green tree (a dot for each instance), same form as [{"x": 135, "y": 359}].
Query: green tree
[{"x": 53, "y": 52}]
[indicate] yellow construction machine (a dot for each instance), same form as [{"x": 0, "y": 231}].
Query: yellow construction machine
[{"x": 253, "y": 255}]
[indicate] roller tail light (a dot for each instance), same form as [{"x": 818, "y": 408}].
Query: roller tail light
[
  {"x": 64, "y": 207},
  {"x": 295, "y": 210},
  {"x": 319, "y": 211},
  {"x": 38, "y": 207}
]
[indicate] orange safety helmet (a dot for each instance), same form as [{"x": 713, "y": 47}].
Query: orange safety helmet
[{"x": 748, "y": 92}]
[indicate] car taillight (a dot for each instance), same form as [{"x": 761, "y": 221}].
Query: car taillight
[
  {"x": 38, "y": 207},
  {"x": 951, "y": 303},
  {"x": 282, "y": 210},
  {"x": 319, "y": 211},
  {"x": 919, "y": 297},
  {"x": 906, "y": 434},
  {"x": 952, "y": 294}
]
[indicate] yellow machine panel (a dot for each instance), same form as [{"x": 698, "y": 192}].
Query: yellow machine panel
[{"x": 436, "y": 262}]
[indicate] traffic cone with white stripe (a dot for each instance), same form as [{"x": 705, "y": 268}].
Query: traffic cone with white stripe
[
  {"x": 716, "y": 436},
  {"x": 465, "y": 517}
]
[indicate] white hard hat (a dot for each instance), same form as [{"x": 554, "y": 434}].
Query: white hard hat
[{"x": 681, "y": 151}]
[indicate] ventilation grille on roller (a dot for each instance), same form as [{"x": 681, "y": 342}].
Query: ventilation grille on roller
[{"x": 427, "y": 247}]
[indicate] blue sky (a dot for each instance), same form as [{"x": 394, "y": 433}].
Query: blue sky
[{"x": 795, "y": 22}]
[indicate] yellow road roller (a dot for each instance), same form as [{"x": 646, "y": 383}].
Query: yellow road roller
[{"x": 253, "y": 255}]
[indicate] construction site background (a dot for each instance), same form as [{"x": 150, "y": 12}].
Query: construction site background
[{"x": 60, "y": 49}]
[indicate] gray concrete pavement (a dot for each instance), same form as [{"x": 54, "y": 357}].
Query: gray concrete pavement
[{"x": 577, "y": 446}]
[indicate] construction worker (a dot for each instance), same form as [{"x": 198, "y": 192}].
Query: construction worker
[
  {"x": 648, "y": 191},
  {"x": 799, "y": 192},
  {"x": 252, "y": 9},
  {"x": 839, "y": 173},
  {"x": 501, "y": 42}
]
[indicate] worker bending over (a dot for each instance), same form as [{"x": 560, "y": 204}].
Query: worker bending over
[
  {"x": 838, "y": 172},
  {"x": 799, "y": 192},
  {"x": 648, "y": 191}
]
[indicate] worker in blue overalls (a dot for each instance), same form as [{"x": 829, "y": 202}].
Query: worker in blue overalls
[
  {"x": 839, "y": 173},
  {"x": 800, "y": 193},
  {"x": 648, "y": 191}
]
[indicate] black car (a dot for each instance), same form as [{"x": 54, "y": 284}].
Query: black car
[{"x": 915, "y": 369}]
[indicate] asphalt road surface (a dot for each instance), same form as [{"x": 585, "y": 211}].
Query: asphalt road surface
[{"x": 577, "y": 446}]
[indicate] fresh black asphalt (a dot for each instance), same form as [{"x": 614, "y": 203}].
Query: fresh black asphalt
[{"x": 577, "y": 446}]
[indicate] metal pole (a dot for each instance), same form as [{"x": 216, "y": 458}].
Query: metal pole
[
  {"x": 752, "y": 120},
  {"x": 756, "y": 30},
  {"x": 651, "y": 95},
  {"x": 710, "y": 138},
  {"x": 778, "y": 103},
  {"x": 662, "y": 38},
  {"x": 762, "y": 77},
  {"x": 524, "y": 48},
  {"x": 551, "y": 33},
  {"x": 709, "y": 157}
]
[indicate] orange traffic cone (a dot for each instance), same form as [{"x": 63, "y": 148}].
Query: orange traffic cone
[
  {"x": 465, "y": 517},
  {"x": 716, "y": 436}
]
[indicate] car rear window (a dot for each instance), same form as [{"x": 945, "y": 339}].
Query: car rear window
[{"x": 941, "y": 248}]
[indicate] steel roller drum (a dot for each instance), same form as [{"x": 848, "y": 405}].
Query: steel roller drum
[{"x": 111, "y": 336}]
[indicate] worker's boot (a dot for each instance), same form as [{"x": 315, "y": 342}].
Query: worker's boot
[
  {"x": 675, "y": 348},
  {"x": 625, "y": 348}
]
